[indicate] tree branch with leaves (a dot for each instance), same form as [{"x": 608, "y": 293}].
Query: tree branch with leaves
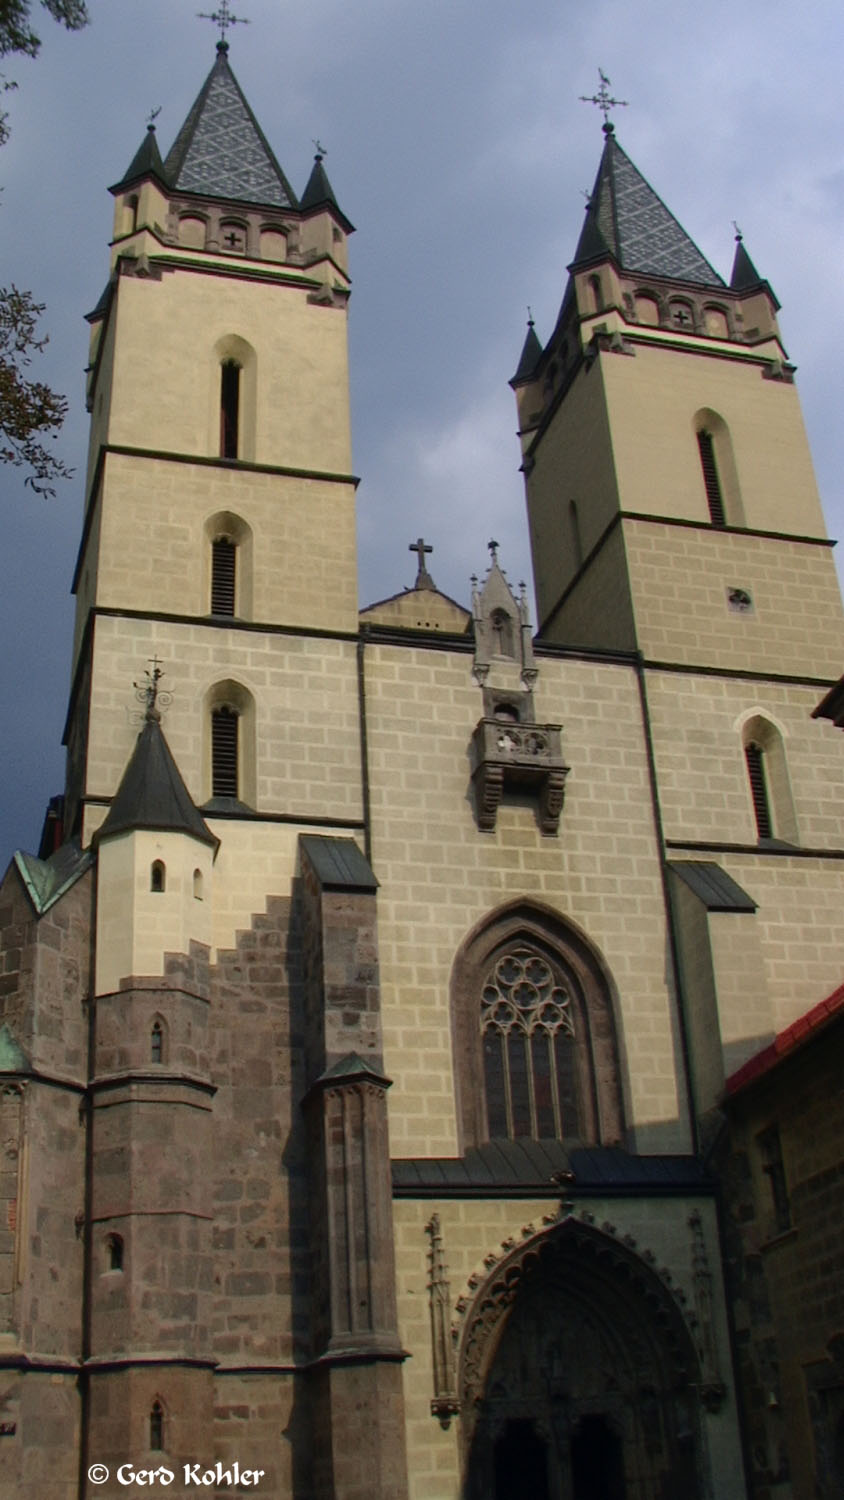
[{"x": 29, "y": 411}]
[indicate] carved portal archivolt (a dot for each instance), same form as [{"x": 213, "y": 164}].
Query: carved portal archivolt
[{"x": 578, "y": 1377}]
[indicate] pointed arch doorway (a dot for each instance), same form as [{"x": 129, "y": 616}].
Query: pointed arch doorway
[{"x": 578, "y": 1378}]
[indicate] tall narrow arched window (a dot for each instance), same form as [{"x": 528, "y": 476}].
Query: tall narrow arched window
[
  {"x": 158, "y": 876},
  {"x": 535, "y": 1033},
  {"x": 229, "y": 408},
  {"x": 718, "y": 469},
  {"x": 755, "y": 758},
  {"x": 596, "y": 293},
  {"x": 768, "y": 780},
  {"x": 224, "y": 752},
  {"x": 223, "y": 575},
  {"x": 156, "y": 1427},
  {"x": 711, "y": 480}
]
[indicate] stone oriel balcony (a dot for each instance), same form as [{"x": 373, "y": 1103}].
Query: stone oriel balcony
[{"x": 509, "y": 756}]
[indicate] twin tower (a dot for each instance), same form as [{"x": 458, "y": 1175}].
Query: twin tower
[{"x": 544, "y": 893}]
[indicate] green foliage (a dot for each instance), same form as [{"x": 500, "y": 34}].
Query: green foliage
[
  {"x": 29, "y": 410},
  {"x": 16, "y": 34}
]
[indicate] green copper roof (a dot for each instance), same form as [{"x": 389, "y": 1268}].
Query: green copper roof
[
  {"x": 221, "y": 151},
  {"x": 152, "y": 793},
  {"x": 13, "y": 1059},
  {"x": 627, "y": 219},
  {"x": 46, "y": 880}
]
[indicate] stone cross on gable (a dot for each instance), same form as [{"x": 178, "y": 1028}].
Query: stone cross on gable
[{"x": 423, "y": 577}]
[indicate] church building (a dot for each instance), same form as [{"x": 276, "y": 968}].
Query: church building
[{"x": 373, "y": 1015}]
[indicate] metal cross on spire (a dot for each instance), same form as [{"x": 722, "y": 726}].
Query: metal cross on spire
[
  {"x": 604, "y": 101},
  {"x": 224, "y": 19}
]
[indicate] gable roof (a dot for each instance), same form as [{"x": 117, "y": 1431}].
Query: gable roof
[
  {"x": 221, "y": 151},
  {"x": 152, "y": 793},
  {"x": 628, "y": 220}
]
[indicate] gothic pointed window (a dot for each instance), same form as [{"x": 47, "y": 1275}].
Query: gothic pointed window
[
  {"x": 229, "y": 408},
  {"x": 535, "y": 1034},
  {"x": 223, "y": 575},
  {"x": 158, "y": 876},
  {"x": 528, "y": 1031},
  {"x": 224, "y": 752}
]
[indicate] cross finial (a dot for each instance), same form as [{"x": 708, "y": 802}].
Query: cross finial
[
  {"x": 493, "y": 550},
  {"x": 604, "y": 101},
  {"x": 150, "y": 694},
  {"x": 423, "y": 577},
  {"x": 224, "y": 19}
]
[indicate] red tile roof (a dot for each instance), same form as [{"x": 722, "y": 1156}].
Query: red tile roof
[{"x": 787, "y": 1041}]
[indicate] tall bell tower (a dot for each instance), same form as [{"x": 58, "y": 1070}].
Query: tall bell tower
[
  {"x": 670, "y": 487},
  {"x": 220, "y": 505}
]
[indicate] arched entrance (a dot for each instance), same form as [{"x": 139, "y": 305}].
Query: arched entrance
[{"x": 578, "y": 1377}]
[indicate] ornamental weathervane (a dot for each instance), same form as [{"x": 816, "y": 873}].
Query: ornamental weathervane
[
  {"x": 224, "y": 19},
  {"x": 604, "y": 101}
]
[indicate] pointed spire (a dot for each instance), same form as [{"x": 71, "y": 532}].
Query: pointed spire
[
  {"x": 320, "y": 194},
  {"x": 152, "y": 793},
  {"x": 221, "y": 151},
  {"x": 628, "y": 220},
  {"x": 529, "y": 357},
  {"x": 145, "y": 163},
  {"x": 744, "y": 274}
]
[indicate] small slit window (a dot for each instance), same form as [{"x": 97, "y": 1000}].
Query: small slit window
[
  {"x": 229, "y": 408},
  {"x": 755, "y": 758},
  {"x": 711, "y": 480},
  {"x": 156, "y": 1427},
  {"x": 114, "y": 1253},
  {"x": 223, "y": 576},
  {"x": 158, "y": 876},
  {"x": 197, "y": 885},
  {"x": 224, "y": 752},
  {"x": 774, "y": 1169},
  {"x": 156, "y": 1043}
]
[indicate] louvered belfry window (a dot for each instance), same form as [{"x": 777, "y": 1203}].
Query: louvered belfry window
[
  {"x": 223, "y": 567},
  {"x": 224, "y": 752},
  {"x": 755, "y": 758},
  {"x": 528, "y": 1039},
  {"x": 229, "y": 408},
  {"x": 711, "y": 481}
]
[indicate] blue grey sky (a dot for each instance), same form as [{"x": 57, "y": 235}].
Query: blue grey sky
[{"x": 458, "y": 146}]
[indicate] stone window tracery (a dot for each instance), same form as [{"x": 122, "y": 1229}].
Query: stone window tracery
[{"x": 527, "y": 1026}]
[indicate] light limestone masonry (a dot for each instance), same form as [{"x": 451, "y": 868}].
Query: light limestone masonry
[
  {"x": 168, "y": 347},
  {"x": 473, "y": 1229},
  {"x": 680, "y": 580},
  {"x": 305, "y": 701},
  {"x": 440, "y": 876},
  {"x": 696, "y": 724},
  {"x": 302, "y": 532},
  {"x": 137, "y": 925}
]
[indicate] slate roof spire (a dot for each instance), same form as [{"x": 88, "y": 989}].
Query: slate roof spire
[
  {"x": 145, "y": 163},
  {"x": 221, "y": 151},
  {"x": 152, "y": 793},
  {"x": 628, "y": 220},
  {"x": 529, "y": 357}
]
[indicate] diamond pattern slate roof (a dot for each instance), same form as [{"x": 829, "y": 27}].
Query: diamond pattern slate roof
[
  {"x": 221, "y": 151},
  {"x": 628, "y": 219}
]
